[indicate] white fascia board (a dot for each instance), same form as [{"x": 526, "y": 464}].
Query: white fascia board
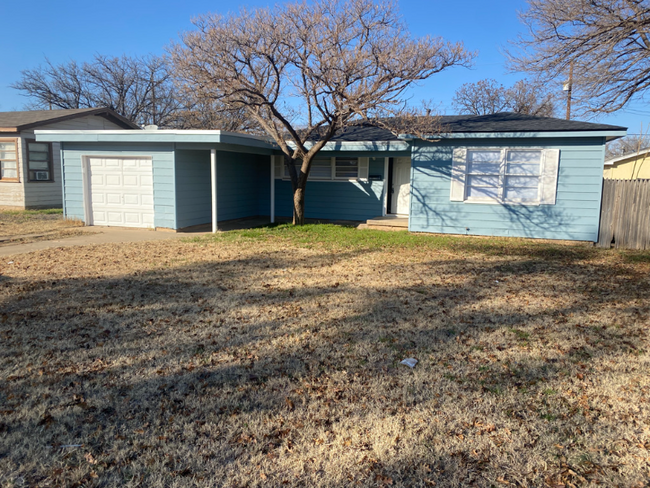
[
  {"x": 377, "y": 146},
  {"x": 618, "y": 159},
  {"x": 610, "y": 135},
  {"x": 192, "y": 136}
]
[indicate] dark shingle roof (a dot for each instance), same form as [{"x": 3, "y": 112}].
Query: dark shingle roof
[
  {"x": 17, "y": 121},
  {"x": 501, "y": 122}
]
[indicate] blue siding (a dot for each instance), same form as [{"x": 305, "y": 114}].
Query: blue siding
[
  {"x": 240, "y": 188},
  {"x": 264, "y": 186},
  {"x": 193, "y": 190},
  {"x": 575, "y": 216},
  {"x": 345, "y": 200},
  {"x": 163, "y": 176}
]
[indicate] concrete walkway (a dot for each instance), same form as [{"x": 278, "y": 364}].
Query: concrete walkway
[
  {"x": 91, "y": 235},
  {"x": 106, "y": 235}
]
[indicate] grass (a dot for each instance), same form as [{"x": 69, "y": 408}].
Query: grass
[
  {"x": 40, "y": 224},
  {"x": 270, "y": 357}
]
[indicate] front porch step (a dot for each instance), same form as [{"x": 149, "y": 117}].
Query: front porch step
[{"x": 389, "y": 222}]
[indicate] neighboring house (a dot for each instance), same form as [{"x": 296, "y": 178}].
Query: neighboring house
[
  {"x": 633, "y": 166},
  {"x": 30, "y": 171},
  {"x": 496, "y": 175}
]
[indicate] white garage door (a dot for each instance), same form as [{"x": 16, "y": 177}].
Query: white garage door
[{"x": 121, "y": 192}]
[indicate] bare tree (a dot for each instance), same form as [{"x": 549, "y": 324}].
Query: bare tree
[
  {"x": 606, "y": 41},
  {"x": 525, "y": 97},
  {"x": 627, "y": 145},
  {"x": 139, "y": 88},
  {"x": 303, "y": 71},
  {"x": 490, "y": 97},
  {"x": 480, "y": 98}
]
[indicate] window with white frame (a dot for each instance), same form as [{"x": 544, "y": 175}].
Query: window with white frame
[
  {"x": 523, "y": 176},
  {"x": 329, "y": 168},
  {"x": 8, "y": 160}
]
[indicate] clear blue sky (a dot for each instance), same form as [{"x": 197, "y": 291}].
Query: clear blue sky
[{"x": 73, "y": 29}]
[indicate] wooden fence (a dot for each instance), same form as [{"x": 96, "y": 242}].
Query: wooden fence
[{"x": 625, "y": 214}]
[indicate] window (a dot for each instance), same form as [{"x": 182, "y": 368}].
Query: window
[
  {"x": 321, "y": 169},
  {"x": 329, "y": 168},
  {"x": 8, "y": 159},
  {"x": 347, "y": 168},
  {"x": 39, "y": 161},
  {"x": 505, "y": 175}
]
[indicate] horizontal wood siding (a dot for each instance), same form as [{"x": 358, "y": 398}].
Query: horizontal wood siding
[
  {"x": 239, "y": 186},
  {"x": 193, "y": 192},
  {"x": 163, "y": 176},
  {"x": 264, "y": 186},
  {"x": 333, "y": 200},
  {"x": 45, "y": 194},
  {"x": 12, "y": 193},
  {"x": 88, "y": 122},
  {"x": 574, "y": 216}
]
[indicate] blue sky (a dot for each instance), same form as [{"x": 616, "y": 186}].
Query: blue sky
[{"x": 73, "y": 29}]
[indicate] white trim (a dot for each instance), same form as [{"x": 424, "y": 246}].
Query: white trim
[
  {"x": 333, "y": 177},
  {"x": 464, "y": 165},
  {"x": 618, "y": 159},
  {"x": 384, "y": 208},
  {"x": 136, "y": 133},
  {"x": 61, "y": 167},
  {"x": 610, "y": 134},
  {"x": 86, "y": 183},
  {"x": 272, "y": 189},
  {"x": 213, "y": 187},
  {"x": 85, "y": 178}
]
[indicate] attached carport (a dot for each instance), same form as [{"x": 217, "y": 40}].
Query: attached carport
[{"x": 164, "y": 179}]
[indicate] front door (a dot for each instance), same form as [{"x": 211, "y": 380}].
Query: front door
[{"x": 401, "y": 184}]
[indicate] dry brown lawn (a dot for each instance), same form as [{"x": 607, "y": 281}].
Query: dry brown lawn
[
  {"x": 31, "y": 225},
  {"x": 262, "y": 360}
]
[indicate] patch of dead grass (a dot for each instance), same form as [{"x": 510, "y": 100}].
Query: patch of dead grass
[
  {"x": 221, "y": 364},
  {"x": 32, "y": 225}
]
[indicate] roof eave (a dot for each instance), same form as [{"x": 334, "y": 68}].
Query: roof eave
[
  {"x": 625, "y": 157},
  {"x": 102, "y": 112},
  {"x": 608, "y": 134}
]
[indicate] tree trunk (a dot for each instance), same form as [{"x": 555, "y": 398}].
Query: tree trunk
[{"x": 299, "y": 204}]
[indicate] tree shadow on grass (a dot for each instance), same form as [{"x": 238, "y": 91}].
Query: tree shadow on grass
[{"x": 266, "y": 370}]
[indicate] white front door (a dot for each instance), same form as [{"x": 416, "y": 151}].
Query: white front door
[
  {"x": 121, "y": 192},
  {"x": 401, "y": 186}
]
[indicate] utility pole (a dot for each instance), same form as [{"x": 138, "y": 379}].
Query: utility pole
[{"x": 568, "y": 87}]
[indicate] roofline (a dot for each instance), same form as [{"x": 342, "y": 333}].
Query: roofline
[
  {"x": 609, "y": 134},
  {"x": 96, "y": 111},
  {"x": 165, "y": 135},
  {"x": 218, "y": 136},
  {"x": 618, "y": 159}
]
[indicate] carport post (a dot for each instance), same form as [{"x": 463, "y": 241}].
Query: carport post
[
  {"x": 213, "y": 181},
  {"x": 272, "y": 189}
]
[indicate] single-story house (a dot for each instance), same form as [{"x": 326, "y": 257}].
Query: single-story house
[
  {"x": 497, "y": 175},
  {"x": 30, "y": 171},
  {"x": 635, "y": 166}
]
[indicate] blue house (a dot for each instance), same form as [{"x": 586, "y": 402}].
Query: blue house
[{"x": 495, "y": 175}]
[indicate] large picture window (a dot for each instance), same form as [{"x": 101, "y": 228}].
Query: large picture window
[
  {"x": 8, "y": 160},
  {"x": 39, "y": 161},
  {"x": 505, "y": 175}
]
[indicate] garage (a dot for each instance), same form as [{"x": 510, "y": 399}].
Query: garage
[{"x": 120, "y": 192}]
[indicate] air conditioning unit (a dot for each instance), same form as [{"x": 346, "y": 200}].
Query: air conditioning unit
[{"x": 41, "y": 175}]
